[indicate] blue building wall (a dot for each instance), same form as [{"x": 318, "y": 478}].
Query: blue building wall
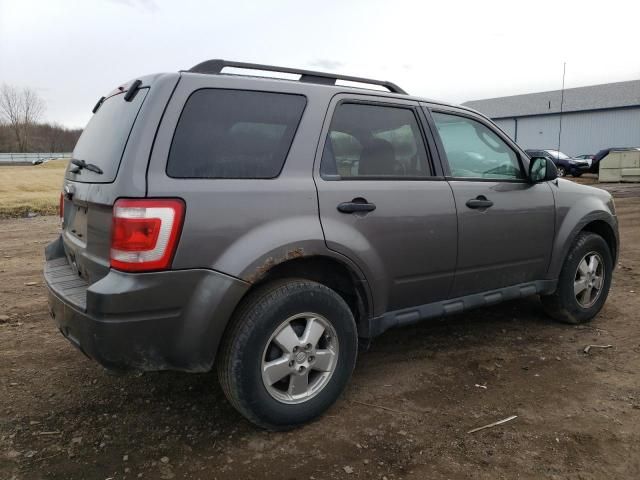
[{"x": 582, "y": 132}]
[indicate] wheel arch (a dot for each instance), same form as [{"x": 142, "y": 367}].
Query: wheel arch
[
  {"x": 599, "y": 222},
  {"x": 334, "y": 274},
  {"x": 602, "y": 228}
]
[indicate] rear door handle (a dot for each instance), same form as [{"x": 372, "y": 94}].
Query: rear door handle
[
  {"x": 356, "y": 205},
  {"x": 479, "y": 202}
]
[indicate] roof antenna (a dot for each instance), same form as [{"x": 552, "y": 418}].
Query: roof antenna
[{"x": 564, "y": 70}]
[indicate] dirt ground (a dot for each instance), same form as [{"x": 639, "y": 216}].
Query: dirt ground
[{"x": 63, "y": 417}]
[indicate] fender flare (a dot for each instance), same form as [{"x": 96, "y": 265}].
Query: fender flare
[{"x": 566, "y": 237}]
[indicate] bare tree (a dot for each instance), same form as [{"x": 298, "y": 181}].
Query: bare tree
[{"x": 21, "y": 109}]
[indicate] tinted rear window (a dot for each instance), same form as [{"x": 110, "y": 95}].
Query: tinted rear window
[
  {"x": 374, "y": 141},
  {"x": 103, "y": 140},
  {"x": 234, "y": 134}
]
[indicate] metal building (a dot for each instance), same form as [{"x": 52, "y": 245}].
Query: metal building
[{"x": 593, "y": 118}]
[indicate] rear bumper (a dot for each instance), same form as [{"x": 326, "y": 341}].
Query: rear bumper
[{"x": 171, "y": 320}]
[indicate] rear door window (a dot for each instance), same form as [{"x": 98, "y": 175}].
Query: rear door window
[
  {"x": 104, "y": 138},
  {"x": 234, "y": 134},
  {"x": 374, "y": 141}
]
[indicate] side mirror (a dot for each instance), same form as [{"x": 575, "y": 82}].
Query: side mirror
[{"x": 542, "y": 169}]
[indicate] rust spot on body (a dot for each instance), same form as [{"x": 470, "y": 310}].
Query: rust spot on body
[
  {"x": 270, "y": 262},
  {"x": 295, "y": 253}
]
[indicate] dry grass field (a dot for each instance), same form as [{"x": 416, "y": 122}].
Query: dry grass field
[{"x": 30, "y": 188}]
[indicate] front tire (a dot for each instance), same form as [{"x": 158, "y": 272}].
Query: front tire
[
  {"x": 288, "y": 354},
  {"x": 584, "y": 281},
  {"x": 561, "y": 171}
]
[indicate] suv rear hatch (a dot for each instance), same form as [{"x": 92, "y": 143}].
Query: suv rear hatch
[
  {"x": 108, "y": 162},
  {"x": 104, "y": 139}
]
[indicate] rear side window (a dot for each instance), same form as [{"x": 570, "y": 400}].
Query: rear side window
[
  {"x": 374, "y": 141},
  {"x": 103, "y": 140},
  {"x": 234, "y": 134}
]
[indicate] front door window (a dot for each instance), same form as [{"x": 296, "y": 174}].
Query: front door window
[{"x": 474, "y": 151}]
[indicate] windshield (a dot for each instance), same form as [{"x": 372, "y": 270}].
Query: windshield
[
  {"x": 558, "y": 155},
  {"x": 103, "y": 140}
]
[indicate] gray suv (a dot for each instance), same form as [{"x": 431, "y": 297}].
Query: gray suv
[{"x": 268, "y": 226}]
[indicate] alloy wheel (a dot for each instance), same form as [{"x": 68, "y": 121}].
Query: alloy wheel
[
  {"x": 589, "y": 279},
  {"x": 299, "y": 358}
]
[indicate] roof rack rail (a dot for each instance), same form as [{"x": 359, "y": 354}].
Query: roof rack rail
[{"x": 215, "y": 67}]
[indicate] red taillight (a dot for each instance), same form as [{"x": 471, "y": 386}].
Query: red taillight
[
  {"x": 61, "y": 205},
  {"x": 135, "y": 234},
  {"x": 144, "y": 233}
]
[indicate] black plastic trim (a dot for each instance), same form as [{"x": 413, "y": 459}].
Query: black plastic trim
[
  {"x": 133, "y": 90},
  {"x": 336, "y": 178},
  {"x": 98, "y": 104},
  {"x": 216, "y": 66},
  {"x": 408, "y": 316},
  {"x": 488, "y": 180},
  {"x": 65, "y": 282}
]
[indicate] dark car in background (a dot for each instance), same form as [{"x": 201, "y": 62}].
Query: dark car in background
[{"x": 564, "y": 163}]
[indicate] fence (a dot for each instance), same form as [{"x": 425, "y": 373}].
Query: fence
[{"x": 17, "y": 158}]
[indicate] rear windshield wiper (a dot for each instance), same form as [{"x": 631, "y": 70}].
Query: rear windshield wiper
[{"x": 81, "y": 164}]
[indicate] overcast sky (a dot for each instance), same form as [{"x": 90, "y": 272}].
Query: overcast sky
[{"x": 72, "y": 52}]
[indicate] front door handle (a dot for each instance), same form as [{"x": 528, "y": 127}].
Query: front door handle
[
  {"x": 356, "y": 205},
  {"x": 479, "y": 202}
]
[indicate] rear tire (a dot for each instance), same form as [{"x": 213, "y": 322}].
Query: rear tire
[
  {"x": 288, "y": 353},
  {"x": 581, "y": 293}
]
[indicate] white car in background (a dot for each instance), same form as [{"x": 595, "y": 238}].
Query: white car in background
[{"x": 587, "y": 157}]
